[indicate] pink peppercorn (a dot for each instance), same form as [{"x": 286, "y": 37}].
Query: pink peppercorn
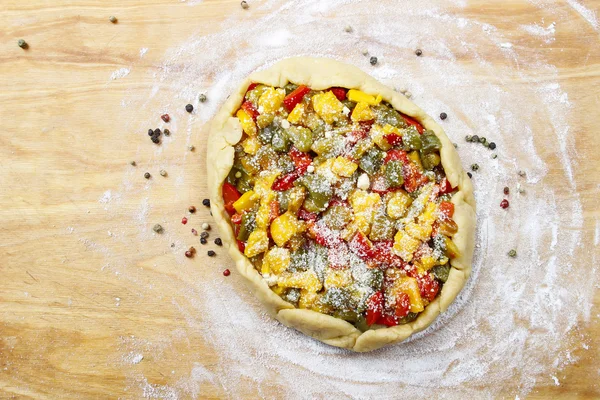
[
  {"x": 226, "y": 272},
  {"x": 504, "y": 204},
  {"x": 184, "y": 220}
]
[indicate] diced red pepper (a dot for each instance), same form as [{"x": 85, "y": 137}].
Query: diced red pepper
[
  {"x": 236, "y": 219},
  {"x": 250, "y": 109},
  {"x": 447, "y": 209},
  {"x": 374, "y": 308},
  {"x": 230, "y": 195},
  {"x": 336, "y": 201},
  {"x": 241, "y": 245},
  {"x": 295, "y": 97},
  {"x": 413, "y": 178},
  {"x": 355, "y": 136},
  {"x": 382, "y": 253},
  {"x": 285, "y": 182},
  {"x": 338, "y": 255},
  {"x": 252, "y": 86},
  {"x": 388, "y": 320},
  {"x": 414, "y": 122},
  {"x": 361, "y": 245},
  {"x": 324, "y": 236},
  {"x": 428, "y": 286},
  {"x": 366, "y": 125},
  {"x": 445, "y": 186},
  {"x": 393, "y": 139},
  {"x": 273, "y": 210},
  {"x": 301, "y": 160},
  {"x": 339, "y": 92},
  {"x": 402, "y": 305},
  {"x": 396, "y": 155},
  {"x": 307, "y": 215}
]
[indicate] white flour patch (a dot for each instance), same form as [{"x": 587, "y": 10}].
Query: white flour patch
[
  {"x": 585, "y": 13},
  {"x": 133, "y": 358},
  {"x": 120, "y": 73},
  {"x": 143, "y": 51},
  {"x": 514, "y": 319}
]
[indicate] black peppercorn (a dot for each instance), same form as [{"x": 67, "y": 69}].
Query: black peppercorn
[
  {"x": 218, "y": 242},
  {"x": 192, "y": 209},
  {"x": 189, "y": 108},
  {"x": 373, "y": 60},
  {"x": 443, "y": 116},
  {"x": 418, "y": 52},
  {"x": 167, "y": 132},
  {"x": 492, "y": 145},
  {"x": 150, "y": 132},
  {"x": 156, "y": 132},
  {"x": 155, "y": 139},
  {"x": 206, "y": 203},
  {"x": 203, "y": 240},
  {"x": 204, "y": 235},
  {"x": 470, "y": 174},
  {"x": 475, "y": 138},
  {"x": 22, "y": 44},
  {"x": 147, "y": 175},
  {"x": 211, "y": 253}
]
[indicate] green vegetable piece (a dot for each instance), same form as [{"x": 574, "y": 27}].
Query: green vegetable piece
[
  {"x": 280, "y": 141},
  {"x": 347, "y": 315},
  {"x": 284, "y": 199},
  {"x": 361, "y": 324},
  {"x": 385, "y": 114},
  {"x": 349, "y": 104},
  {"x": 329, "y": 146},
  {"x": 410, "y": 317},
  {"x": 393, "y": 174},
  {"x": 411, "y": 139},
  {"x": 265, "y": 135},
  {"x": 290, "y": 87},
  {"x": 286, "y": 163},
  {"x": 360, "y": 148},
  {"x": 299, "y": 260},
  {"x": 382, "y": 228},
  {"x": 339, "y": 299},
  {"x": 337, "y": 217},
  {"x": 374, "y": 278},
  {"x": 254, "y": 94},
  {"x": 430, "y": 160},
  {"x": 441, "y": 272},
  {"x": 292, "y": 295},
  {"x": 244, "y": 183},
  {"x": 319, "y": 191},
  {"x": 372, "y": 161},
  {"x": 430, "y": 142},
  {"x": 247, "y": 226},
  {"x": 301, "y": 137}
]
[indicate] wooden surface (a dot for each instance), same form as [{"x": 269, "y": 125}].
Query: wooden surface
[{"x": 69, "y": 223}]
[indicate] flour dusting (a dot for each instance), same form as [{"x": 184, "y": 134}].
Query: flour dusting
[
  {"x": 513, "y": 324},
  {"x": 120, "y": 73}
]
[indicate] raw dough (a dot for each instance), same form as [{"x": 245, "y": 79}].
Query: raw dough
[{"x": 319, "y": 74}]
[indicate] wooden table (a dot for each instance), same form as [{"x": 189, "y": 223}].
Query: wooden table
[{"x": 75, "y": 215}]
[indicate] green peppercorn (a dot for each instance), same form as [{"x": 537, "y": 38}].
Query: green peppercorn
[
  {"x": 469, "y": 138},
  {"x": 475, "y": 139},
  {"x": 244, "y": 5},
  {"x": 133, "y": 163},
  {"x": 455, "y": 145},
  {"x": 494, "y": 156},
  {"x": 157, "y": 228},
  {"x": 167, "y": 132},
  {"x": 113, "y": 19},
  {"x": 162, "y": 172},
  {"x": 475, "y": 167},
  {"x": 512, "y": 253},
  {"x": 202, "y": 98},
  {"x": 191, "y": 148},
  {"x": 482, "y": 139},
  {"x": 22, "y": 44}
]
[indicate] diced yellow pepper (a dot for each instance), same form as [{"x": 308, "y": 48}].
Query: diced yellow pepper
[
  {"x": 405, "y": 245},
  {"x": 377, "y": 135},
  {"x": 276, "y": 261},
  {"x": 390, "y": 129},
  {"x": 247, "y": 123},
  {"x": 452, "y": 249},
  {"x": 246, "y": 201},
  {"x": 251, "y": 145},
  {"x": 278, "y": 290},
  {"x": 338, "y": 278},
  {"x": 302, "y": 280},
  {"x": 362, "y": 112},
  {"x": 418, "y": 231},
  {"x": 344, "y": 167},
  {"x": 258, "y": 242},
  {"x": 263, "y": 184},
  {"x": 416, "y": 158},
  {"x": 362, "y": 201},
  {"x": 271, "y": 100},
  {"x": 357, "y": 96},
  {"x": 296, "y": 114},
  {"x": 428, "y": 216},
  {"x": 427, "y": 262},
  {"x": 283, "y": 228},
  {"x": 409, "y": 286},
  {"x": 307, "y": 299},
  {"x": 327, "y": 106},
  {"x": 296, "y": 197},
  {"x": 264, "y": 212},
  {"x": 398, "y": 203}
]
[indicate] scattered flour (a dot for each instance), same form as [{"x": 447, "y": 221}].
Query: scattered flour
[
  {"x": 512, "y": 326},
  {"x": 143, "y": 51},
  {"x": 120, "y": 73},
  {"x": 586, "y": 13}
]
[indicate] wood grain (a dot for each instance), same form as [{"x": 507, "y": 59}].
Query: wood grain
[{"x": 64, "y": 145}]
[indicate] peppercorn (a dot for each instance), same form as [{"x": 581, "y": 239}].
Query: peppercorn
[
  {"x": 206, "y": 203},
  {"x": 455, "y": 145},
  {"x": 157, "y": 228},
  {"x": 167, "y": 132},
  {"x": 469, "y": 138},
  {"x": 470, "y": 174},
  {"x": 504, "y": 204},
  {"x": 188, "y": 254},
  {"x": 512, "y": 253},
  {"x": 133, "y": 163},
  {"x": 506, "y": 190},
  {"x": 192, "y": 209},
  {"x": 194, "y": 232},
  {"x": 418, "y": 52},
  {"x": 522, "y": 173},
  {"x": 113, "y": 19},
  {"x": 482, "y": 139},
  {"x": 443, "y": 116},
  {"x": 226, "y": 272},
  {"x": 147, "y": 175},
  {"x": 204, "y": 235},
  {"x": 494, "y": 156},
  {"x": 211, "y": 253},
  {"x": 165, "y": 117},
  {"x": 162, "y": 172},
  {"x": 475, "y": 139},
  {"x": 373, "y": 60},
  {"x": 205, "y": 226},
  {"x": 202, "y": 98},
  {"x": 155, "y": 139},
  {"x": 150, "y": 132},
  {"x": 156, "y": 132},
  {"x": 172, "y": 244},
  {"x": 184, "y": 220},
  {"x": 218, "y": 242},
  {"x": 244, "y": 5},
  {"x": 189, "y": 108},
  {"x": 22, "y": 44},
  {"x": 191, "y": 148},
  {"x": 492, "y": 145},
  {"x": 475, "y": 167},
  {"x": 348, "y": 29},
  {"x": 203, "y": 240}
]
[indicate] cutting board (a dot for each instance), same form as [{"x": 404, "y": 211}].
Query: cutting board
[{"x": 90, "y": 297}]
